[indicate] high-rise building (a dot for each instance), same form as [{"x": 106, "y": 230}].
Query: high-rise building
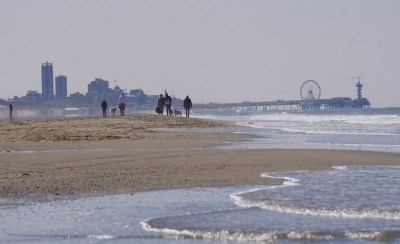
[
  {"x": 98, "y": 89},
  {"x": 61, "y": 86},
  {"x": 47, "y": 81}
]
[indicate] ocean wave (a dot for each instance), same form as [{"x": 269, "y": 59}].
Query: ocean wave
[
  {"x": 336, "y": 132},
  {"x": 272, "y": 236},
  {"x": 262, "y": 198},
  {"x": 336, "y": 213},
  {"x": 382, "y": 119},
  {"x": 101, "y": 237},
  {"x": 225, "y": 235}
]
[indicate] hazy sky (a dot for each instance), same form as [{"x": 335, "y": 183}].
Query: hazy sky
[{"x": 214, "y": 51}]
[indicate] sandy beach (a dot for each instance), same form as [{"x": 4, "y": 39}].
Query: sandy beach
[{"x": 94, "y": 156}]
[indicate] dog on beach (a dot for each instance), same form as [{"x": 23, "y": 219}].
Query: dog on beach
[
  {"x": 177, "y": 112},
  {"x": 113, "y": 109}
]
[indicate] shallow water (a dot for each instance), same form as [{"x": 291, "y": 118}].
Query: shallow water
[
  {"x": 348, "y": 204},
  {"x": 115, "y": 219},
  {"x": 344, "y": 205}
]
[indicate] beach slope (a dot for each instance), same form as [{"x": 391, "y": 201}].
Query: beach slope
[{"x": 94, "y": 156}]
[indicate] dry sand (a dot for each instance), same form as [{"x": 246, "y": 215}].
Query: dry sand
[{"x": 94, "y": 156}]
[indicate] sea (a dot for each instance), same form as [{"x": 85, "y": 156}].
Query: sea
[{"x": 346, "y": 204}]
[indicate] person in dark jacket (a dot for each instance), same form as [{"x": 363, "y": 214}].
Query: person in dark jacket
[
  {"x": 11, "y": 111},
  {"x": 168, "y": 103},
  {"x": 187, "y": 104},
  {"x": 160, "y": 104},
  {"x": 104, "y": 107}
]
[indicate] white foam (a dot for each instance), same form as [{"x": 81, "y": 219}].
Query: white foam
[
  {"x": 327, "y": 124},
  {"x": 369, "y": 236},
  {"x": 340, "y": 167},
  {"x": 101, "y": 237},
  {"x": 372, "y": 214},
  {"x": 238, "y": 200},
  {"x": 312, "y": 130},
  {"x": 288, "y": 182},
  {"x": 383, "y": 119},
  {"x": 265, "y": 237},
  {"x": 357, "y": 144}
]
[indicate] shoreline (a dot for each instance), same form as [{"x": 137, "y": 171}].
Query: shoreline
[{"x": 74, "y": 158}]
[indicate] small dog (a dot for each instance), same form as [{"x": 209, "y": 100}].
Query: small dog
[
  {"x": 113, "y": 109},
  {"x": 177, "y": 112}
]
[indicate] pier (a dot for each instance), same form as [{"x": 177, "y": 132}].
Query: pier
[
  {"x": 321, "y": 104},
  {"x": 310, "y": 93}
]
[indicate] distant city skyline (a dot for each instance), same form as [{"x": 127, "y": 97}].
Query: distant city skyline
[{"x": 213, "y": 51}]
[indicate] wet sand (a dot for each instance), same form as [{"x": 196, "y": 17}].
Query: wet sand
[{"x": 95, "y": 156}]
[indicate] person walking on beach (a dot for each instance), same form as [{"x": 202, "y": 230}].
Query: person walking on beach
[
  {"x": 11, "y": 111},
  {"x": 168, "y": 103},
  {"x": 121, "y": 104},
  {"x": 160, "y": 104},
  {"x": 187, "y": 104},
  {"x": 104, "y": 107}
]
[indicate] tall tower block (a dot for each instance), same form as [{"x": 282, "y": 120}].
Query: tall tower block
[
  {"x": 47, "y": 81},
  {"x": 61, "y": 86}
]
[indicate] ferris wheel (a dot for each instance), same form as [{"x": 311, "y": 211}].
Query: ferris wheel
[{"x": 310, "y": 90}]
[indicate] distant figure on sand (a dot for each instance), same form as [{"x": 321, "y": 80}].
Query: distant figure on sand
[
  {"x": 160, "y": 104},
  {"x": 11, "y": 111},
  {"x": 168, "y": 103},
  {"x": 104, "y": 107},
  {"x": 121, "y": 104},
  {"x": 187, "y": 104}
]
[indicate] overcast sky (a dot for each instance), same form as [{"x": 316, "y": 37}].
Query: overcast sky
[{"x": 214, "y": 51}]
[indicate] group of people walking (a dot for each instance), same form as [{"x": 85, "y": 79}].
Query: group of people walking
[
  {"x": 166, "y": 101},
  {"x": 121, "y": 106},
  {"x": 163, "y": 101}
]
